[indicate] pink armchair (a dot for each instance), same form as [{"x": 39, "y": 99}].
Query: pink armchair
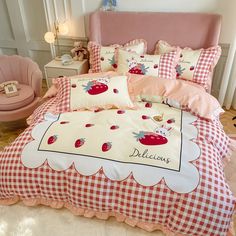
[{"x": 29, "y": 77}]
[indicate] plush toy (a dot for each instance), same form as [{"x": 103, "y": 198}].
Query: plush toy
[
  {"x": 79, "y": 51},
  {"x": 109, "y": 5}
]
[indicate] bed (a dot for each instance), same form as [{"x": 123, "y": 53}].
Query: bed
[{"x": 155, "y": 161}]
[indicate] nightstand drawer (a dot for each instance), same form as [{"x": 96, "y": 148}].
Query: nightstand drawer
[{"x": 56, "y": 72}]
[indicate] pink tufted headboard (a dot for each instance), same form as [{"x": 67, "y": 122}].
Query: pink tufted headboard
[{"x": 195, "y": 30}]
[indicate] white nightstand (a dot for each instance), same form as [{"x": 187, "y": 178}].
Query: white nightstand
[{"x": 55, "y": 69}]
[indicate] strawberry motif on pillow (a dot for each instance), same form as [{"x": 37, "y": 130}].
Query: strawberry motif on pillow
[
  {"x": 136, "y": 68},
  {"x": 96, "y": 87},
  {"x": 113, "y": 62}
]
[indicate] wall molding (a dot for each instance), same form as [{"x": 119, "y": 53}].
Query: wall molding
[
  {"x": 51, "y": 8},
  {"x": 20, "y": 35},
  {"x": 67, "y": 43}
]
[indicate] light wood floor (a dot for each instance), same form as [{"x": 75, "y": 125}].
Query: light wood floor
[{"x": 228, "y": 122}]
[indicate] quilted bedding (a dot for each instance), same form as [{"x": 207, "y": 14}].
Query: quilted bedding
[{"x": 157, "y": 174}]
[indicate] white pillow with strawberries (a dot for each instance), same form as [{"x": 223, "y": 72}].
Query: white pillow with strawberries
[
  {"x": 93, "y": 93},
  {"x": 193, "y": 65},
  {"x": 102, "y": 58},
  {"x": 162, "y": 66}
]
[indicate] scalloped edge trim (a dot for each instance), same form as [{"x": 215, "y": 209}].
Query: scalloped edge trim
[{"x": 100, "y": 215}]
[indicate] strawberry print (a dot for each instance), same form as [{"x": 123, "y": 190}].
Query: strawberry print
[
  {"x": 191, "y": 68},
  {"x": 140, "y": 69},
  {"x": 64, "y": 122},
  {"x": 52, "y": 139},
  {"x": 113, "y": 127},
  {"x": 136, "y": 68},
  {"x": 115, "y": 91},
  {"x": 98, "y": 110},
  {"x": 94, "y": 87},
  {"x": 150, "y": 138},
  {"x": 113, "y": 62},
  {"x": 73, "y": 86},
  {"x": 120, "y": 112},
  {"x": 79, "y": 142},
  {"x": 144, "y": 117},
  {"x": 89, "y": 125},
  {"x": 106, "y": 146},
  {"x": 170, "y": 121},
  {"x": 142, "y": 56},
  {"x": 102, "y": 58},
  {"x": 155, "y": 66},
  {"x": 148, "y": 105}
]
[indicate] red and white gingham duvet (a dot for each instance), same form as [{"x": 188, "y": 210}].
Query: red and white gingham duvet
[{"x": 205, "y": 211}]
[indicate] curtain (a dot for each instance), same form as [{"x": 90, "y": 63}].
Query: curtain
[{"x": 227, "y": 95}]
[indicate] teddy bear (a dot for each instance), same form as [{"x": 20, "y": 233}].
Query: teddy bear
[{"x": 79, "y": 51}]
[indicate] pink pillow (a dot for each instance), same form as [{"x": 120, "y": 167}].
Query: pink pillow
[
  {"x": 193, "y": 65},
  {"x": 162, "y": 66},
  {"x": 102, "y": 58},
  {"x": 177, "y": 93}
]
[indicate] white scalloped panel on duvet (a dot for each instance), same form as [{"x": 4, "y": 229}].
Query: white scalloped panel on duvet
[{"x": 121, "y": 142}]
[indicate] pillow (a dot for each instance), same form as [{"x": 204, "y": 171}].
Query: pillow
[
  {"x": 53, "y": 90},
  {"x": 102, "y": 59},
  {"x": 177, "y": 93},
  {"x": 194, "y": 65},
  {"x": 162, "y": 66},
  {"x": 93, "y": 93}
]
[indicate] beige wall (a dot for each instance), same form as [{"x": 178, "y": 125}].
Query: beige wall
[{"x": 22, "y": 26}]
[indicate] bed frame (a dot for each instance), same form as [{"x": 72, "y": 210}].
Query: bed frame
[{"x": 195, "y": 30}]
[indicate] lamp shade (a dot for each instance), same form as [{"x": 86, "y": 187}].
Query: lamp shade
[
  {"x": 63, "y": 28},
  {"x": 49, "y": 37}
]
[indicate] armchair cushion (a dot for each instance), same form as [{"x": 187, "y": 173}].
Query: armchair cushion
[{"x": 25, "y": 97}]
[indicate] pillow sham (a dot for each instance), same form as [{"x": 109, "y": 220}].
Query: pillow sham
[
  {"x": 53, "y": 90},
  {"x": 102, "y": 58},
  {"x": 162, "y": 66},
  {"x": 93, "y": 93},
  {"x": 193, "y": 65}
]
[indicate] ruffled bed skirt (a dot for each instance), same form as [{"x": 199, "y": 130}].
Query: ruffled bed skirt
[{"x": 100, "y": 215}]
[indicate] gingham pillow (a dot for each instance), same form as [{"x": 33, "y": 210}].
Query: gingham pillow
[
  {"x": 162, "y": 66},
  {"x": 102, "y": 58},
  {"x": 194, "y": 65},
  {"x": 93, "y": 93}
]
